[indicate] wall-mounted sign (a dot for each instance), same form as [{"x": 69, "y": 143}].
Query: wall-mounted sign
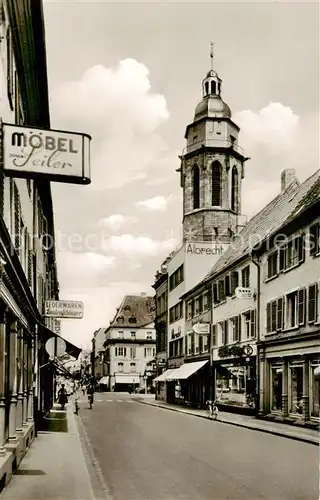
[
  {"x": 56, "y": 326},
  {"x": 57, "y": 155},
  {"x": 63, "y": 309},
  {"x": 243, "y": 293},
  {"x": 201, "y": 328},
  {"x": 55, "y": 347},
  {"x": 193, "y": 248},
  {"x": 235, "y": 350}
]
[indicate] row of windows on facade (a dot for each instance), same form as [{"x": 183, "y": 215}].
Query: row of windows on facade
[
  {"x": 133, "y": 335},
  {"x": 235, "y": 329},
  {"x": 122, "y": 351},
  {"x": 293, "y": 253},
  {"x": 226, "y": 286},
  {"x": 162, "y": 303},
  {"x": 196, "y": 344},
  {"x": 176, "y": 278},
  {"x": 216, "y": 186},
  {"x": 294, "y": 309}
]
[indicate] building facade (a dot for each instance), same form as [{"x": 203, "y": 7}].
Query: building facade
[
  {"x": 130, "y": 345},
  {"x": 289, "y": 349},
  {"x": 264, "y": 358},
  {"x": 161, "y": 326},
  {"x": 28, "y": 274}
]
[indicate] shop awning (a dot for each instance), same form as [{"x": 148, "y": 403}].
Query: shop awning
[
  {"x": 71, "y": 349},
  {"x": 186, "y": 370},
  {"x": 127, "y": 379},
  {"x": 104, "y": 381},
  {"x": 163, "y": 377}
]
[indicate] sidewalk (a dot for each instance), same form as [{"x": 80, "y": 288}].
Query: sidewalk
[
  {"x": 278, "y": 429},
  {"x": 55, "y": 467}
]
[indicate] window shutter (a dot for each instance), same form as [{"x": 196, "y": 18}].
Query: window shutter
[
  {"x": 280, "y": 313},
  {"x": 226, "y": 332},
  {"x": 234, "y": 281},
  {"x": 227, "y": 285},
  {"x": 17, "y": 218},
  {"x": 215, "y": 294},
  {"x": 200, "y": 343},
  {"x": 312, "y": 303},
  {"x": 253, "y": 322},
  {"x": 269, "y": 317},
  {"x": 301, "y": 306},
  {"x": 30, "y": 262},
  {"x": 274, "y": 316},
  {"x": 282, "y": 259},
  {"x": 301, "y": 248},
  {"x": 192, "y": 343},
  {"x": 239, "y": 327},
  {"x": 314, "y": 239},
  {"x": 214, "y": 335}
]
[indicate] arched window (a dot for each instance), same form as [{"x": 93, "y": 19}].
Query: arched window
[
  {"x": 216, "y": 184},
  {"x": 234, "y": 189},
  {"x": 207, "y": 87},
  {"x": 196, "y": 186},
  {"x": 213, "y": 87}
]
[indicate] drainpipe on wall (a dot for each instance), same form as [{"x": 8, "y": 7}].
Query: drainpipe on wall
[
  {"x": 256, "y": 262},
  {"x": 211, "y": 346}
]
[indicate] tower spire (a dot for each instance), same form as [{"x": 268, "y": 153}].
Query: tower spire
[{"x": 211, "y": 55}]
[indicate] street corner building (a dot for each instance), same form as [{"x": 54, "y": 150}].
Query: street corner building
[
  {"x": 28, "y": 273},
  {"x": 238, "y": 302},
  {"x": 124, "y": 352}
]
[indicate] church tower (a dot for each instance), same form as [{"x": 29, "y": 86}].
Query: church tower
[{"x": 212, "y": 169}]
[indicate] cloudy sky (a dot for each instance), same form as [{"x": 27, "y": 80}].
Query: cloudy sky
[{"x": 130, "y": 75}]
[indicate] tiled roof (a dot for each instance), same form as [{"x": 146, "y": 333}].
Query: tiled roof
[
  {"x": 135, "y": 311},
  {"x": 296, "y": 197}
]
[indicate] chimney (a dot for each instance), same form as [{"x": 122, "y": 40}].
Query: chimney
[{"x": 287, "y": 176}]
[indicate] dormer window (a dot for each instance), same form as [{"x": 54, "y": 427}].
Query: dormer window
[
  {"x": 127, "y": 308},
  {"x": 120, "y": 319},
  {"x": 132, "y": 319}
]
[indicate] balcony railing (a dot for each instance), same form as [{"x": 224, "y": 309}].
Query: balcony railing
[{"x": 213, "y": 143}]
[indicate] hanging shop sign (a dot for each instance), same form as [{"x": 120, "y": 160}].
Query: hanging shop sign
[
  {"x": 55, "y": 154},
  {"x": 63, "y": 309},
  {"x": 243, "y": 293},
  {"x": 201, "y": 328}
]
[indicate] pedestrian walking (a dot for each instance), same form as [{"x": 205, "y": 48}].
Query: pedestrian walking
[{"x": 62, "y": 397}]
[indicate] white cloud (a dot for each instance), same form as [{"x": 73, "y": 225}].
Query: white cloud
[
  {"x": 275, "y": 138},
  {"x": 132, "y": 246},
  {"x": 116, "y": 221},
  {"x": 118, "y": 108},
  {"x": 158, "y": 203},
  {"x": 75, "y": 269}
]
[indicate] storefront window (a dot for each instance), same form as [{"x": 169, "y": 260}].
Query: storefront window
[
  {"x": 236, "y": 384},
  {"x": 276, "y": 387},
  {"x": 296, "y": 389},
  {"x": 315, "y": 389}
]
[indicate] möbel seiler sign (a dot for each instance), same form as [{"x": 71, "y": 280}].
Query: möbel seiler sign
[
  {"x": 57, "y": 155},
  {"x": 63, "y": 309}
]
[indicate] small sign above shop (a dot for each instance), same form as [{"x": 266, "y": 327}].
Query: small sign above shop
[
  {"x": 201, "y": 328},
  {"x": 243, "y": 293},
  {"x": 63, "y": 309}
]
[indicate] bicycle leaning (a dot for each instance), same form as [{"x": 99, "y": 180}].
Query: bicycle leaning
[{"x": 213, "y": 410}]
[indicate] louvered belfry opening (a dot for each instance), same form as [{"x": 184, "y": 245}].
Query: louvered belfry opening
[
  {"x": 216, "y": 184},
  {"x": 196, "y": 186},
  {"x": 234, "y": 189}
]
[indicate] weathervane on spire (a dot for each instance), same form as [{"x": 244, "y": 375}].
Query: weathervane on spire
[{"x": 211, "y": 54}]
